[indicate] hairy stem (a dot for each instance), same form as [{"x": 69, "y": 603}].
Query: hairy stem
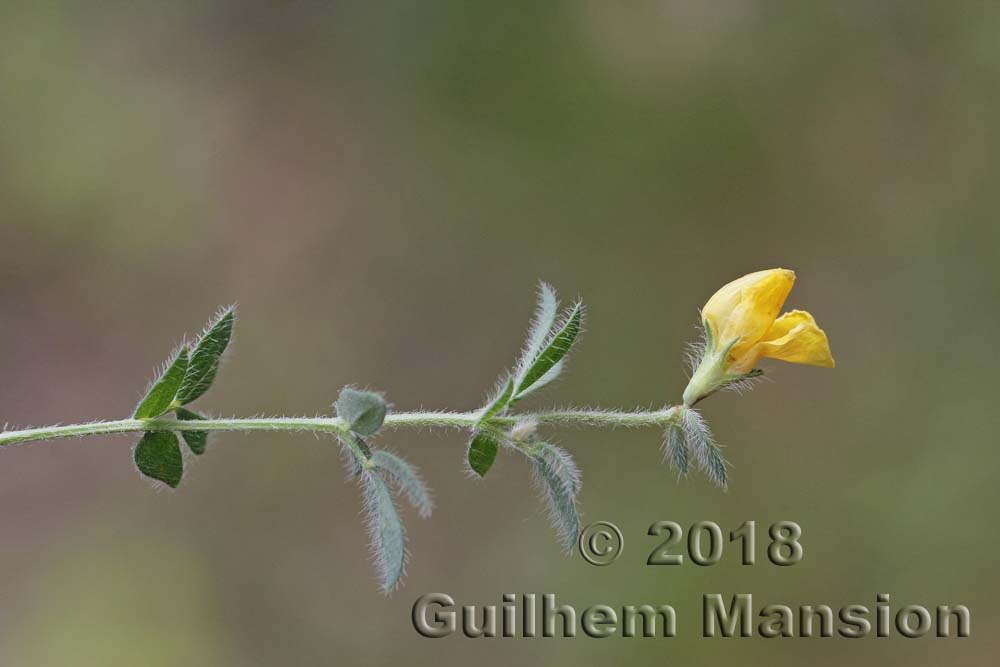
[{"x": 334, "y": 425}]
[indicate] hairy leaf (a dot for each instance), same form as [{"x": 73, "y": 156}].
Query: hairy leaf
[
  {"x": 196, "y": 440},
  {"x": 544, "y": 319},
  {"x": 384, "y": 529},
  {"x": 162, "y": 392},
  {"x": 707, "y": 453},
  {"x": 499, "y": 402},
  {"x": 675, "y": 447},
  {"x": 360, "y": 446},
  {"x": 352, "y": 458},
  {"x": 482, "y": 452},
  {"x": 551, "y": 375},
  {"x": 559, "y": 479},
  {"x": 363, "y": 411},
  {"x": 205, "y": 357},
  {"x": 407, "y": 479},
  {"x": 158, "y": 455},
  {"x": 557, "y": 348}
]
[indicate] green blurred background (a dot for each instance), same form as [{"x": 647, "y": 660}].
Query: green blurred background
[{"x": 380, "y": 186}]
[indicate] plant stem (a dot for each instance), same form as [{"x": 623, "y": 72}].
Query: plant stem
[
  {"x": 336, "y": 426},
  {"x": 597, "y": 418}
]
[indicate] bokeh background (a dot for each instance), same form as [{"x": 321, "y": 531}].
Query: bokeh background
[{"x": 380, "y": 186}]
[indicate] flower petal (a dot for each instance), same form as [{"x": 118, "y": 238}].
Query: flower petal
[
  {"x": 796, "y": 338},
  {"x": 746, "y": 308}
]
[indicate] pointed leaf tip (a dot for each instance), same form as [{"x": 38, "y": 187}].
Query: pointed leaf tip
[
  {"x": 556, "y": 474},
  {"x": 557, "y": 348},
  {"x": 206, "y": 356},
  {"x": 385, "y": 529}
]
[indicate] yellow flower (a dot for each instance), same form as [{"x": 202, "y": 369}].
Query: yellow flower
[{"x": 742, "y": 326}]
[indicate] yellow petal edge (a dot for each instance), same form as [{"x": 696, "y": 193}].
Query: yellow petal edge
[{"x": 795, "y": 337}]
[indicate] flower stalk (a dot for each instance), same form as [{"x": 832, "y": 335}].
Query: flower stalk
[{"x": 337, "y": 426}]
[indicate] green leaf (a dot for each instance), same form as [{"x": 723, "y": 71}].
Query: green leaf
[
  {"x": 388, "y": 542},
  {"x": 544, "y": 319},
  {"x": 675, "y": 447},
  {"x": 407, "y": 479},
  {"x": 551, "y": 375},
  {"x": 557, "y": 348},
  {"x": 363, "y": 411},
  {"x": 158, "y": 455},
  {"x": 482, "y": 452},
  {"x": 499, "y": 402},
  {"x": 196, "y": 440},
  {"x": 205, "y": 357},
  {"x": 161, "y": 394},
  {"x": 715, "y": 465},
  {"x": 559, "y": 478},
  {"x": 708, "y": 456}
]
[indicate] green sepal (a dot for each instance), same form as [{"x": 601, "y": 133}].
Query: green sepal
[
  {"x": 158, "y": 455},
  {"x": 709, "y": 337},
  {"x": 161, "y": 394},
  {"x": 362, "y": 411},
  {"x": 196, "y": 440},
  {"x": 482, "y": 452},
  {"x": 205, "y": 357}
]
